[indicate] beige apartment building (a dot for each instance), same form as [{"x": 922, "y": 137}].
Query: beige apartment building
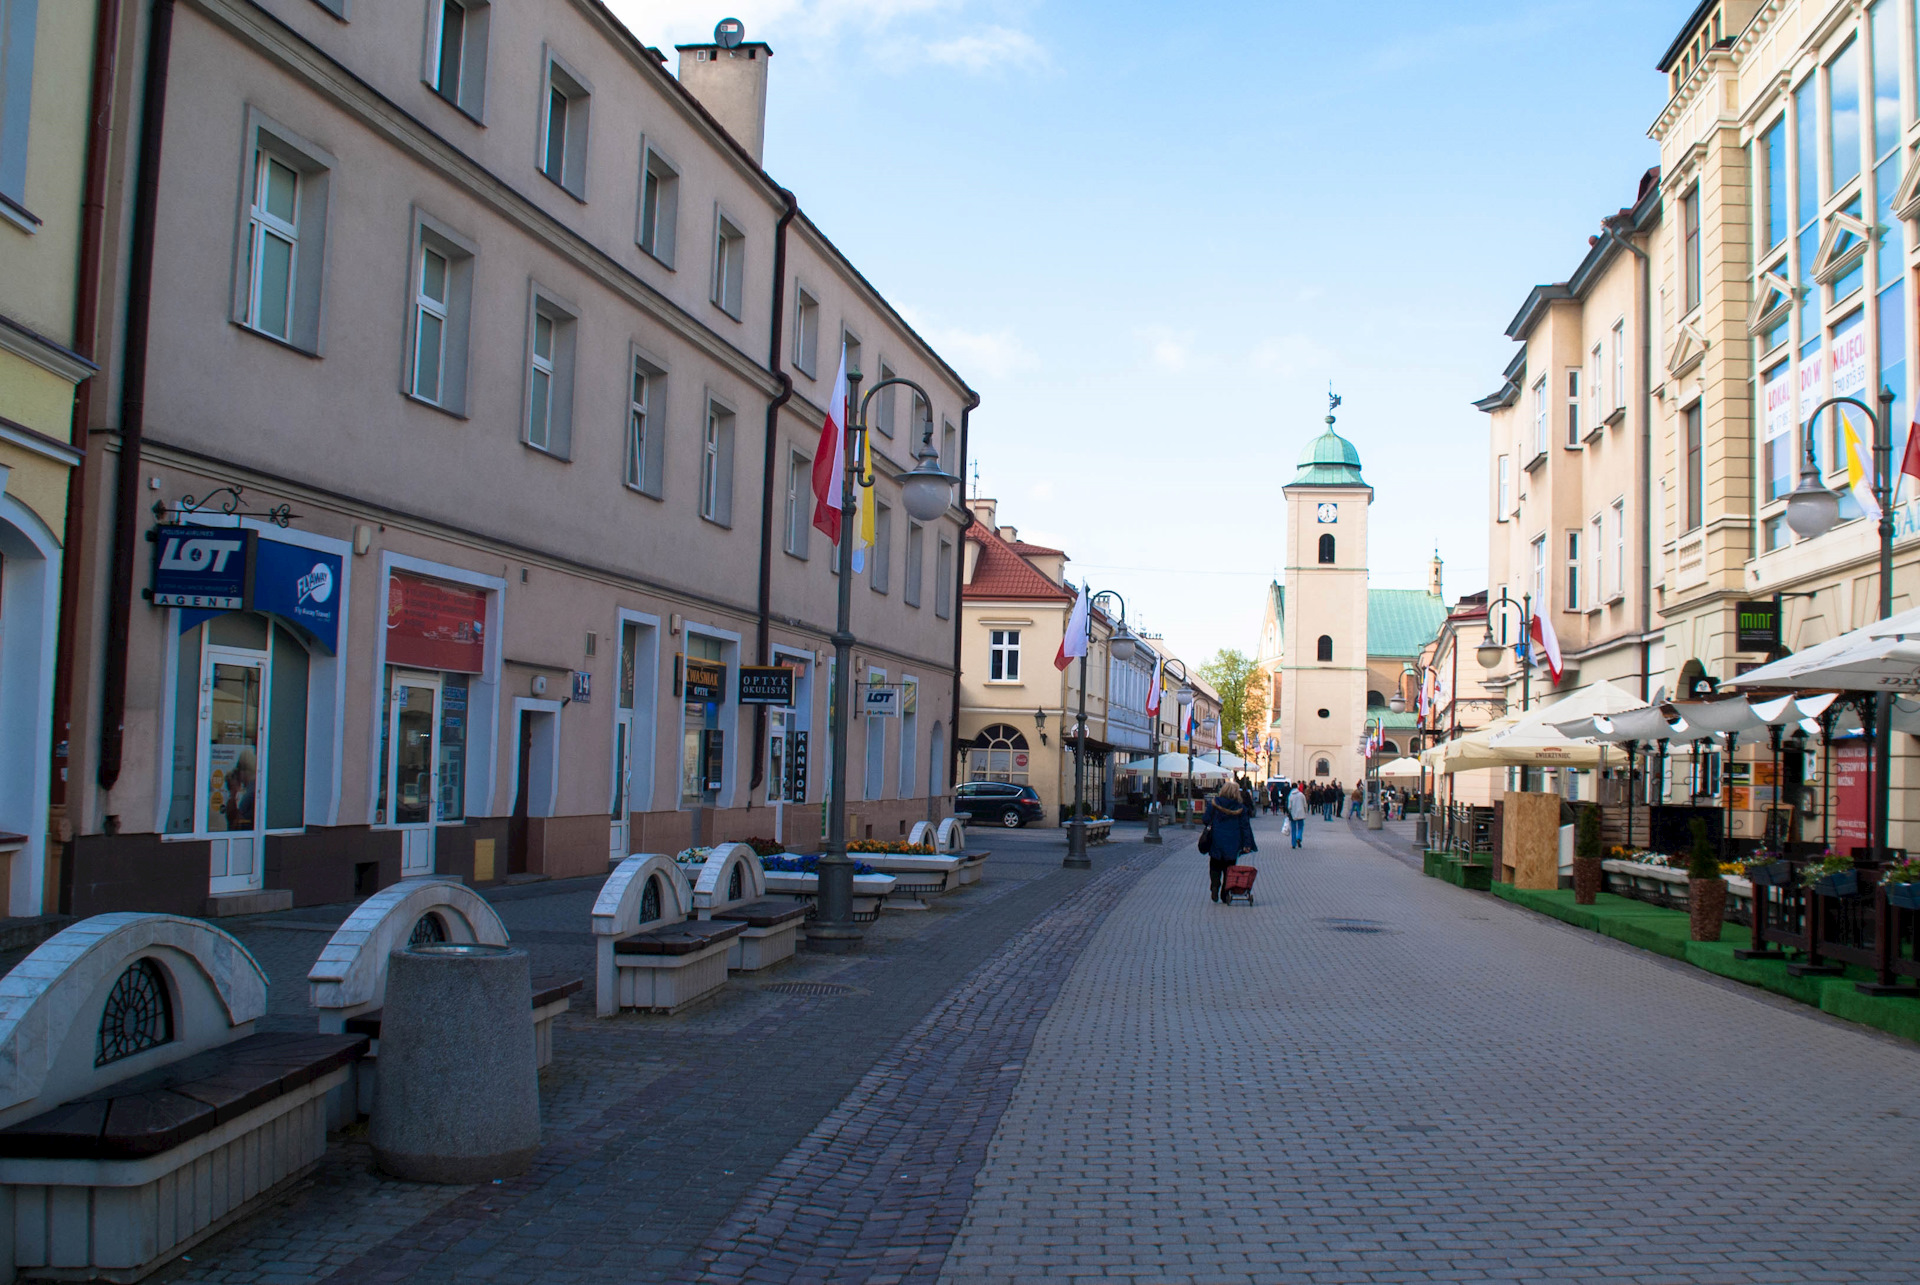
[
  {"x": 481, "y": 346},
  {"x": 1570, "y": 487},
  {"x": 1782, "y": 261}
]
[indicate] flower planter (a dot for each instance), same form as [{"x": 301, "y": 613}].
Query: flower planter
[
  {"x": 1845, "y": 883},
  {"x": 869, "y": 891},
  {"x": 1588, "y": 875},
  {"x": 1904, "y": 895},
  {"x": 1771, "y": 874},
  {"x": 1706, "y": 908}
]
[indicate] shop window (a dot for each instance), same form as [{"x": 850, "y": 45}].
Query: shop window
[
  {"x": 999, "y": 754},
  {"x": 435, "y": 651},
  {"x": 239, "y": 759},
  {"x": 703, "y": 742}
]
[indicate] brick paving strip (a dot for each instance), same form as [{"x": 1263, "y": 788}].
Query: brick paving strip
[
  {"x": 656, "y": 1128},
  {"x": 876, "y": 1193},
  {"x": 1370, "y": 1076}
]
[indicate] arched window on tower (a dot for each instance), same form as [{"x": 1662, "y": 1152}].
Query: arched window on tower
[
  {"x": 1324, "y": 650},
  {"x": 1326, "y": 550},
  {"x": 1322, "y": 768},
  {"x": 1376, "y": 701}
]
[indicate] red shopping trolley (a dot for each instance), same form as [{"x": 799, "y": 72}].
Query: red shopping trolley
[{"x": 1238, "y": 883}]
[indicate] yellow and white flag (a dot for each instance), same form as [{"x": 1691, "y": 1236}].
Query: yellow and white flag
[
  {"x": 1859, "y": 469},
  {"x": 863, "y": 533}
]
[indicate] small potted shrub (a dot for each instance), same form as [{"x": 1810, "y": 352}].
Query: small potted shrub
[
  {"x": 1832, "y": 876},
  {"x": 1587, "y": 875},
  {"x": 1706, "y": 889},
  {"x": 1902, "y": 882}
]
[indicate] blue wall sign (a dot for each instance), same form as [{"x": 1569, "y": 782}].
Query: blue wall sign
[
  {"x": 207, "y": 567},
  {"x": 300, "y": 585}
]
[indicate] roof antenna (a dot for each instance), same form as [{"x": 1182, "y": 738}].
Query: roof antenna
[{"x": 976, "y": 479}]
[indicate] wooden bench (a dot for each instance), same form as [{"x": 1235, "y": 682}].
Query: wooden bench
[
  {"x": 650, "y": 953},
  {"x": 769, "y": 925},
  {"x": 139, "y": 1111},
  {"x": 349, "y": 980},
  {"x": 551, "y": 997}
]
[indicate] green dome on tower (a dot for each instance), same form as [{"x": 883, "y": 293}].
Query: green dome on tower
[{"x": 1329, "y": 460}]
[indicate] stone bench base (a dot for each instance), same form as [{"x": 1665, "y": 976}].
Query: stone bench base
[
  {"x": 666, "y": 969},
  {"x": 771, "y": 935},
  {"x": 119, "y": 1220},
  {"x": 971, "y": 866}
]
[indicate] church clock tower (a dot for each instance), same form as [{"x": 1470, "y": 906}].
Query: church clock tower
[{"x": 1323, "y": 661}]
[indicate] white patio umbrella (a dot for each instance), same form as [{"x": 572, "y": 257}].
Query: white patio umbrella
[
  {"x": 1176, "y": 765},
  {"x": 1858, "y": 661},
  {"x": 1400, "y": 767}
]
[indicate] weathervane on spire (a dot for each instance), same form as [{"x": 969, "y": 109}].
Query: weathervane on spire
[{"x": 1333, "y": 401}]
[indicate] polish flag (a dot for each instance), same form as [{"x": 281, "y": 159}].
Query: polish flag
[
  {"x": 1540, "y": 629},
  {"x": 1153, "y": 690},
  {"x": 830, "y": 459},
  {"x": 1910, "y": 461},
  {"x": 1073, "y": 643}
]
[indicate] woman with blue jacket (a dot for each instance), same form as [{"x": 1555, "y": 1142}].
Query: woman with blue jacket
[{"x": 1229, "y": 829}]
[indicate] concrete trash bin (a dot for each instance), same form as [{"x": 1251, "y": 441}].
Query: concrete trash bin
[{"x": 457, "y": 1096}]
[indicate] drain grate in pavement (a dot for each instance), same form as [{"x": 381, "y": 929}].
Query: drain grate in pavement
[
  {"x": 1353, "y": 925},
  {"x": 808, "y": 988}
]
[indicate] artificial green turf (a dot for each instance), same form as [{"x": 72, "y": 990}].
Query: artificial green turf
[{"x": 1665, "y": 932}]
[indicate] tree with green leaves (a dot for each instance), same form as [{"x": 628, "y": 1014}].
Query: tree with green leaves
[{"x": 1228, "y": 673}]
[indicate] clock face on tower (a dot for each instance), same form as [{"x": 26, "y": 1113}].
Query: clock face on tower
[{"x": 1328, "y": 513}]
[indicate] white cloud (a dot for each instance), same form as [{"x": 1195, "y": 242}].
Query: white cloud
[
  {"x": 1290, "y": 355},
  {"x": 1170, "y": 350},
  {"x": 989, "y": 49},
  {"x": 992, "y": 354}
]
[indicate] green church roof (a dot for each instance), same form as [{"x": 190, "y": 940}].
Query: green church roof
[
  {"x": 1402, "y": 621},
  {"x": 1329, "y": 460}
]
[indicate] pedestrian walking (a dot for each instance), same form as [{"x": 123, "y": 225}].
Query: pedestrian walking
[
  {"x": 1297, "y": 815},
  {"x": 1339, "y": 801},
  {"x": 1229, "y": 832}
]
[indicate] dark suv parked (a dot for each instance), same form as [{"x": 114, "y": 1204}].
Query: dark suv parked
[{"x": 1011, "y": 805}]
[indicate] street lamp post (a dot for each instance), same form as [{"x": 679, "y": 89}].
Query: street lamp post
[
  {"x": 1181, "y": 697},
  {"x": 1812, "y": 510},
  {"x": 1119, "y": 650},
  {"x": 927, "y": 491},
  {"x": 1398, "y": 704},
  {"x": 1491, "y": 653}
]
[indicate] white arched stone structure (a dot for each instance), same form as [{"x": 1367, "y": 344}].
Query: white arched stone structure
[
  {"x": 670, "y": 962},
  {"x": 350, "y": 976},
  {"x": 52, "y": 1001},
  {"x": 951, "y": 837},
  {"x": 713, "y": 886},
  {"x": 922, "y": 834}
]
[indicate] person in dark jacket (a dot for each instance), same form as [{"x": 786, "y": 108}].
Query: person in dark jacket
[{"x": 1229, "y": 825}]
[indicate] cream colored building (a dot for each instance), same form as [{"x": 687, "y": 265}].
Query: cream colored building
[
  {"x": 1569, "y": 485},
  {"x": 46, "y": 96},
  {"x": 489, "y": 338}
]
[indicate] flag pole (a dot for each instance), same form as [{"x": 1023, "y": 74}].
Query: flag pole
[{"x": 833, "y": 929}]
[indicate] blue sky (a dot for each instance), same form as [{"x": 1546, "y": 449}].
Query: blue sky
[{"x": 1150, "y": 234}]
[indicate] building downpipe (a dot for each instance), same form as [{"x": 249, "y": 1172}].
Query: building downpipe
[
  {"x": 763, "y": 628},
  {"x": 133, "y": 394}
]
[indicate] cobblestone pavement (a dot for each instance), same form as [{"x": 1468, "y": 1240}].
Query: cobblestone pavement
[
  {"x": 655, "y": 1129},
  {"x": 1371, "y": 1076}
]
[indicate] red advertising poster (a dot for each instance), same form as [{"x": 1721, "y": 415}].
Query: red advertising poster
[
  {"x": 1852, "y": 778},
  {"x": 433, "y": 625}
]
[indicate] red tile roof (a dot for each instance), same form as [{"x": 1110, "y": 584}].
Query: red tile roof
[
  {"x": 1026, "y": 549},
  {"x": 1001, "y": 572}
]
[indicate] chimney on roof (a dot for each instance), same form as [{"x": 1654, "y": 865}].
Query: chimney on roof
[
  {"x": 1011, "y": 534},
  {"x": 984, "y": 510},
  {"x": 729, "y": 78}
]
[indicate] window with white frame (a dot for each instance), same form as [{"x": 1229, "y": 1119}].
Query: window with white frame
[
  {"x": 1619, "y": 547},
  {"x": 943, "y": 580},
  {"x": 949, "y": 448},
  {"x": 646, "y": 427},
  {"x": 442, "y": 305},
  {"x": 1619, "y": 364},
  {"x": 1596, "y": 412},
  {"x": 277, "y": 284},
  {"x": 1573, "y": 571},
  {"x": 1503, "y": 502},
  {"x": 1573, "y": 406},
  {"x": 882, "y": 554},
  {"x": 1596, "y": 555},
  {"x": 716, "y": 465},
  {"x": 550, "y": 339},
  {"x": 1690, "y": 233},
  {"x": 882, "y": 415},
  {"x": 916, "y": 559},
  {"x": 799, "y": 493},
  {"x": 18, "y": 23},
  {"x": 729, "y": 264},
  {"x": 563, "y": 132},
  {"x": 1540, "y": 415},
  {"x": 1540, "y": 569},
  {"x": 1003, "y": 655},
  {"x": 920, "y": 418},
  {"x": 659, "y": 205},
  {"x": 457, "y": 52},
  {"x": 806, "y": 332},
  {"x": 430, "y": 325}
]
